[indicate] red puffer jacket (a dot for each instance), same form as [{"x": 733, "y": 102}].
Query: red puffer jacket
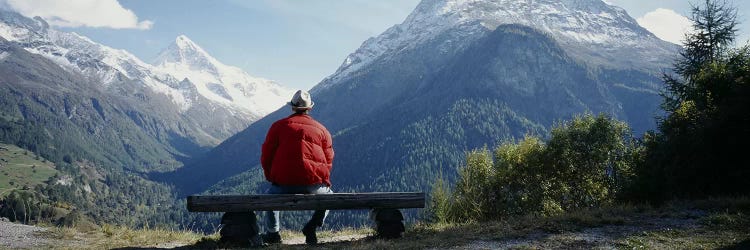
[{"x": 298, "y": 151}]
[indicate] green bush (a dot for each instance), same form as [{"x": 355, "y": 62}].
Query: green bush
[{"x": 587, "y": 162}]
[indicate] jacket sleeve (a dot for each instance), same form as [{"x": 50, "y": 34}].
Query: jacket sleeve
[
  {"x": 268, "y": 151},
  {"x": 328, "y": 150}
]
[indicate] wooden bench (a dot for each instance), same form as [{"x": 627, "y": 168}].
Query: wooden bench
[{"x": 239, "y": 219}]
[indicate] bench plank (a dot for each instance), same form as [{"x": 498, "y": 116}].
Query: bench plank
[{"x": 336, "y": 201}]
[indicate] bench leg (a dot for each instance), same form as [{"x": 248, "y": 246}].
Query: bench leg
[
  {"x": 239, "y": 228},
  {"x": 388, "y": 223}
]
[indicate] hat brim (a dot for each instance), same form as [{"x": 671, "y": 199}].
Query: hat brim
[{"x": 298, "y": 107}]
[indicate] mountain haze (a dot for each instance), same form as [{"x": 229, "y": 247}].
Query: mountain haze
[{"x": 457, "y": 75}]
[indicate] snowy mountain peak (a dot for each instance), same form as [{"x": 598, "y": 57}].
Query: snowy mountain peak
[
  {"x": 184, "y": 40},
  {"x": 186, "y": 52},
  {"x": 218, "y": 82},
  {"x": 591, "y": 31},
  {"x": 585, "y": 21},
  {"x": 188, "y": 47}
]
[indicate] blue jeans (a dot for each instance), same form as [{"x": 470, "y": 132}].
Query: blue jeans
[{"x": 272, "y": 217}]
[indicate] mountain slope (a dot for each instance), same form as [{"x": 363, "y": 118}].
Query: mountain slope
[
  {"x": 188, "y": 110},
  {"x": 48, "y": 109},
  {"x": 457, "y": 75},
  {"x": 98, "y": 143}
]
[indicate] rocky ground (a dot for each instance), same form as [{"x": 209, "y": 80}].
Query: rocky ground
[{"x": 15, "y": 236}]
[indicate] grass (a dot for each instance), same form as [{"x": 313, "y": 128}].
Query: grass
[
  {"x": 20, "y": 169},
  {"x": 295, "y": 239},
  {"x": 706, "y": 224},
  {"x": 713, "y": 223},
  {"x": 108, "y": 237},
  {"x": 715, "y": 230}
]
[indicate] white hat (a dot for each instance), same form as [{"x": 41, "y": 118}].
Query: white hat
[{"x": 301, "y": 100}]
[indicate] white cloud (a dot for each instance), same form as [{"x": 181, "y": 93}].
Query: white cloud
[
  {"x": 666, "y": 24},
  {"x": 79, "y": 13}
]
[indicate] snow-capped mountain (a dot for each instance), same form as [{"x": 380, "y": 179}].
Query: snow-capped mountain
[
  {"x": 218, "y": 99},
  {"x": 592, "y": 31},
  {"x": 218, "y": 82},
  {"x": 78, "y": 53},
  {"x": 226, "y": 85}
]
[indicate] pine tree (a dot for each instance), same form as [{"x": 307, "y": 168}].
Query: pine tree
[
  {"x": 715, "y": 28},
  {"x": 699, "y": 150}
]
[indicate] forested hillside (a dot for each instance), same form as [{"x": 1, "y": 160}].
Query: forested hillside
[{"x": 95, "y": 142}]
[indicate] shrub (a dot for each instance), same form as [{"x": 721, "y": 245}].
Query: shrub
[{"x": 587, "y": 162}]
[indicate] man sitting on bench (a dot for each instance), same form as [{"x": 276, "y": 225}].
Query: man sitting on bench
[{"x": 297, "y": 157}]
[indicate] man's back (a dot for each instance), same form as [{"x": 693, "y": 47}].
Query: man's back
[
  {"x": 297, "y": 158},
  {"x": 297, "y": 151}
]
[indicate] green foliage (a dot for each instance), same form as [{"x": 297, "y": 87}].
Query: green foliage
[
  {"x": 439, "y": 204},
  {"x": 522, "y": 187},
  {"x": 586, "y": 163},
  {"x": 25, "y": 206},
  {"x": 422, "y": 149},
  {"x": 593, "y": 156},
  {"x": 471, "y": 191},
  {"x": 698, "y": 150}
]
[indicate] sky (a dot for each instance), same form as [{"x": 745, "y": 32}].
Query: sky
[{"x": 295, "y": 42}]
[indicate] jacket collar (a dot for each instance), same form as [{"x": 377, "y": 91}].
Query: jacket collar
[{"x": 300, "y": 114}]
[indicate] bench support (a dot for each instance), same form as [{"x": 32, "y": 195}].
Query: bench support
[
  {"x": 389, "y": 223},
  {"x": 239, "y": 228}
]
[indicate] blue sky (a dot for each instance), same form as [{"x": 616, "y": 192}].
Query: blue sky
[{"x": 295, "y": 42}]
